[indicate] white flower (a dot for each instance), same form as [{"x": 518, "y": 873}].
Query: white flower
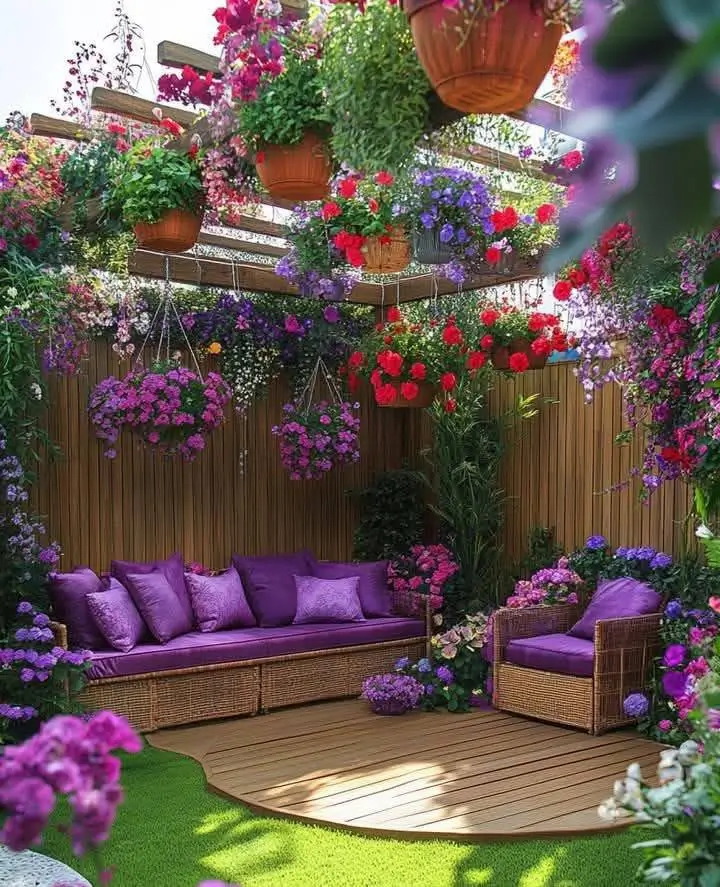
[
  {"x": 635, "y": 773},
  {"x": 36, "y": 391},
  {"x": 608, "y": 810},
  {"x": 704, "y": 532},
  {"x": 688, "y": 753}
]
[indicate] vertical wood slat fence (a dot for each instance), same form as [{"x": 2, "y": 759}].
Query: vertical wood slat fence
[{"x": 140, "y": 506}]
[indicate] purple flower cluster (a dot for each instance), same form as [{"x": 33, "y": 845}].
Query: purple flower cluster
[
  {"x": 70, "y": 757},
  {"x": 393, "y": 693},
  {"x": 315, "y": 439},
  {"x": 656, "y": 560},
  {"x": 553, "y": 585},
  {"x": 332, "y": 284},
  {"x": 170, "y": 407},
  {"x": 636, "y": 705}
]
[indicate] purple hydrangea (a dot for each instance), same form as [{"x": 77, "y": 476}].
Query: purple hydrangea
[
  {"x": 445, "y": 674},
  {"x": 674, "y": 609},
  {"x": 636, "y": 705},
  {"x": 596, "y": 543},
  {"x": 661, "y": 560},
  {"x": 392, "y": 694}
]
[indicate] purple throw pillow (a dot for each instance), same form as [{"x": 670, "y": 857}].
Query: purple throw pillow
[
  {"x": 616, "y": 599},
  {"x": 117, "y": 617},
  {"x": 327, "y": 600},
  {"x": 68, "y": 594},
  {"x": 373, "y": 591},
  {"x": 270, "y": 585},
  {"x": 173, "y": 569},
  {"x": 158, "y": 605},
  {"x": 219, "y": 601}
]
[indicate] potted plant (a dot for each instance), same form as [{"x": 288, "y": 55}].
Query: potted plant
[
  {"x": 392, "y": 694},
  {"x": 515, "y": 236},
  {"x": 170, "y": 407},
  {"x": 488, "y": 57},
  {"x": 316, "y": 437},
  {"x": 519, "y": 340},
  {"x": 158, "y": 193},
  {"x": 286, "y": 123},
  {"x": 360, "y": 228},
  {"x": 377, "y": 92},
  {"x": 451, "y": 212}
]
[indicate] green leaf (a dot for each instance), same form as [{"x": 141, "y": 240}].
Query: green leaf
[
  {"x": 639, "y": 33},
  {"x": 712, "y": 278},
  {"x": 661, "y": 184}
]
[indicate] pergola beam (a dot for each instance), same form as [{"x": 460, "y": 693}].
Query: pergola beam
[
  {"x": 112, "y": 101},
  {"x": 244, "y": 246}
]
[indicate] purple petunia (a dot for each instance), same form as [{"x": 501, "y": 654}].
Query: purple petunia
[
  {"x": 674, "y": 655},
  {"x": 674, "y": 683}
]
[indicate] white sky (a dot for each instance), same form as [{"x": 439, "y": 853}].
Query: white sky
[{"x": 36, "y": 39}]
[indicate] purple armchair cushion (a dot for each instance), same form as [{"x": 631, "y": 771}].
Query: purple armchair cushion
[
  {"x": 373, "y": 591},
  {"x": 219, "y": 601},
  {"x": 68, "y": 594},
  {"x": 327, "y": 600},
  {"x": 117, "y": 617},
  {"x": 173, "y": 568},
  {"x": 158, "y": 605},
  {"x": 269, "y": 584},
  {"x": 616, "y": 599},
  {"x": 558, "y": 653}
]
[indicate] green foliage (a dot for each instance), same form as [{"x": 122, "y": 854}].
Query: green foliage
[
  {"x": 542, "y": 552},
  {"x": 286, "y": 106},
  {"x": 464, "y": 463},
  {"x": 376, "y": 88},
  {"x": 148, "y": 182},
  {"x": 392, "y": 516},
  {"x": 87, "y": 175}
]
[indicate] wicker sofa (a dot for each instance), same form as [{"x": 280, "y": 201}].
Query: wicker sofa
[
  {"x": 203, "y": 676},
  {"x": 618, "y": 663}
]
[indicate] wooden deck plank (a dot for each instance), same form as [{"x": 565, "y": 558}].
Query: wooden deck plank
[{"x": 475, "y": 777}]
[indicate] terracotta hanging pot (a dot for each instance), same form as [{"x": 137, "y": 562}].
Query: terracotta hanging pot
[
  {"x": 425, "y": 397},
  {"x": 387, "y": 258},
  {"x": 428, "y": 249},
  {"x": 296, "y": 172},
  {"x": 501, "y": 355},
  {"x": 492, "y": 64},
  {"x": 176, "y": 231}
]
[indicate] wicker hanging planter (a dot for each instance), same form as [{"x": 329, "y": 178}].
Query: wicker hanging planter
[
  {"x": 387, "y": 258},
  {"x": 424, "y": 399},
  {"x": 501, "y": 355},
  {"x": 296, "y": 172},
  {"x": 494, "y": 67},
  {"x": 429, "y": 250},
  {"x": 176, "y": 231}
]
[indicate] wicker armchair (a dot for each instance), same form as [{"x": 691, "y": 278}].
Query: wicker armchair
[{"x": 624, "y": 650}]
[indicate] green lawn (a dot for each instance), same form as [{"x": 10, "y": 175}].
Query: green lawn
[{"x": 171, "y": 832}]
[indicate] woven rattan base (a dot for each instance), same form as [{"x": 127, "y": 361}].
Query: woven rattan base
[{"x": 560, "y": 698}]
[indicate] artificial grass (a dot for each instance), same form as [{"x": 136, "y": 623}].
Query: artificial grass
[{"x": 172, "y": 832}]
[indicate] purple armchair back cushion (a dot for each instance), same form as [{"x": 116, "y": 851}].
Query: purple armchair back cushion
[
  {"x": 373, "y": 590},
  {"x": 327, "y": 600},
  {"x": 269, "y": 585},
  {"x": 117, "y": 617},
  {"x": 173, "y": 568},
  {"x": 158, "y": 605},
  {"x": 68, "y": 593},
  {"x": 219, "y": 601},
  {"x": 616, "y": 599}
]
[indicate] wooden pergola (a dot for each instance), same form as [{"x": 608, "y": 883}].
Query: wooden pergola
[{"x": 199, "y": 269}]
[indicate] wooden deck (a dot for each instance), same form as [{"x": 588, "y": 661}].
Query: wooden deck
[{"x": 469, "y": 777}]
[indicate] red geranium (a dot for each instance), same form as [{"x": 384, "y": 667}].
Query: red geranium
[
  {"x": 519, "y": 362},
  {"x": 347, "y": 187},
  {"x": 450, "y": 405},
  {"x": 476, "y": 360},
  {"x": 386, "y": 394},
  {"x": 409, "y": 390},
  {"x": 493, "y": 254},
  {"x": 391, "y": 362},
  {"x": 356, "y": 359},
  {"x": 489, "y": 316},
  {"x": 373, "y": 205},
  {"x": 448, "y": 381},
  {"x": 384, "y": 178},
  {"x": 418, "y": 371},
  {"x": 572, "y": 159},
  {"x": 504, "y": 219},
  {"x": 452, "y": 335},
  {"x": 331, "y": 211},
  {"x": 562, "y": 290},
  {"x": 542, "y": 347},
  {"x": 394, "y": 315},
  {"x": 487, "y": 342},
  {"x": 546, "y": 213}
]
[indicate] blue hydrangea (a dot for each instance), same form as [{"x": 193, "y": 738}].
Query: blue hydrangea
[
  {"x": 661, "y": 560},
  {"x": 424, "y": 666},
  {"x": 673, "y": 610},
  {"x": 636, "y": 705},
  {"x": 596, "y": 543}
]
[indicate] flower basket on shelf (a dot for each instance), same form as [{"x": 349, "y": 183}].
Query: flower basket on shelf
[
  {"x": 296, "y": 172},
  {"x": 73, "y": 214},
  {"x": 424, "y": 397},
  {"x": 428, "y": 249},
  {"x": 175, "y": 232},
  {"x": 387, "y": 254},
  {"x": 481, "y": 63},
  {"x": 501, "y": 355}
]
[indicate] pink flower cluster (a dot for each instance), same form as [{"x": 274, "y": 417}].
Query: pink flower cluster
[
  {"x": 426, "y": 570},
  {"x": 170, "y": 407},
  {"x": 71, "y": 757},
  {"x": 314, "y": 440},
  {"x": 554, "y": 585}
]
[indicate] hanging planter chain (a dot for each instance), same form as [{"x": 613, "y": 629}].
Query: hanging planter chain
[{"x": 304, "y": 402}]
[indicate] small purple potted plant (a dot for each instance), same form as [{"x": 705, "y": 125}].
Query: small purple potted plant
[{"x": 392, "y": 694}]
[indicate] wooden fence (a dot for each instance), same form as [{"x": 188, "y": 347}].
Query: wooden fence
[{"x": 140, "y": 506}]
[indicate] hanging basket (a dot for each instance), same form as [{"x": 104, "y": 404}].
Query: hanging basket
[
  {"x": 424, "y": 399},
  {"x": 176, "y": 232},
  {"x": 296, "y": 172},
  {"x": 494, "y": 68},
  {"x": 387, "y": 258},
  {"x": 429, "y": 250},
  {"x": 501, "y": 356},
  {"x": 76, "y": 216}
]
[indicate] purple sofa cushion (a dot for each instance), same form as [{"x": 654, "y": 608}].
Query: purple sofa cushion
[
  {"x": 269, "y": 584},
  {"x": 245, "y": 644},
  {"x": 117, "y": 617},
  {"x": 172, "y": 567},
  {"x": 558, "y": 653},
  {"x": 219, "y": 601},
  {"x": 327, "y": 600},
  {"x": 68, "y": 594},
  {"x": 373, "y": 591},
  {"x": 616, "y": 599},
  {"x": 158, "y": 605}
]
